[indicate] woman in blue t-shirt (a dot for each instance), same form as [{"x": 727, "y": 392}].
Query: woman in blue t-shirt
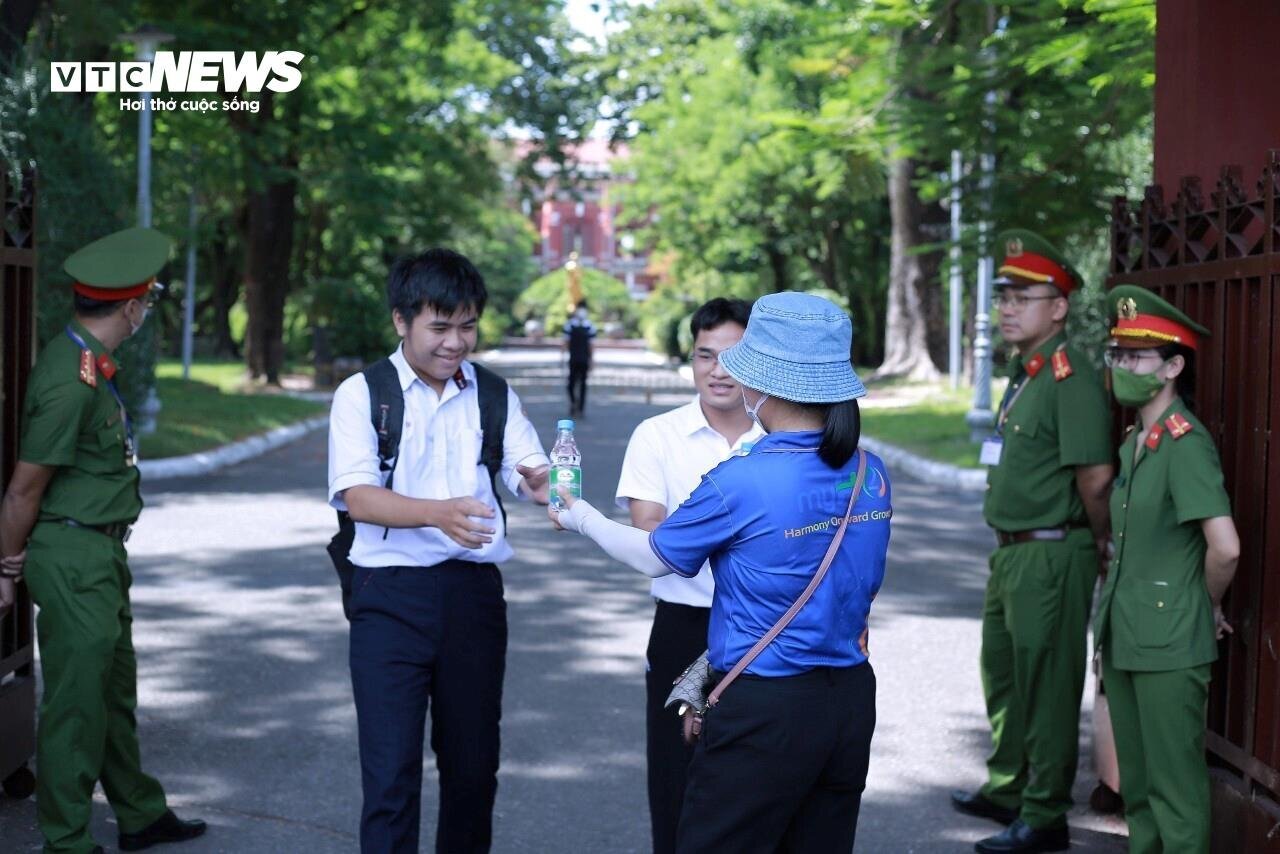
[{"x": 782, "y": 760}]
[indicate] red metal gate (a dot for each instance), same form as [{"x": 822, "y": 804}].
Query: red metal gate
[
  {"x": 1220, "y": 263},
  {"x": 17, "y": 350}
]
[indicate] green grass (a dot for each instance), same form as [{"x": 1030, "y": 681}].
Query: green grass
[
  {"x": 934, "y": 428},
  {"x": 213, "y": 408}
]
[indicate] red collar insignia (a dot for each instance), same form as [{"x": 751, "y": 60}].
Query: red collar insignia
[
  {"x": 88, "y": 369},
  {"x": 1061, "y": 366},
  {"x": 1153, "y": 437},
  {"x": 1178, "y": 426},
  {"x": 1034, "y": 364},
  {"x": 107, "y": 366}
]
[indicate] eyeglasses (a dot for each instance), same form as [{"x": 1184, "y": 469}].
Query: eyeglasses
[
  {"x": 1123, "y": 357},
  {"x": 1017, "y": 301}
]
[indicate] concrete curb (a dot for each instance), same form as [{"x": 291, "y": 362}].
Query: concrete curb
[
  {"x": 236, "y": 452},
  {"x": 927, "y": 471}
]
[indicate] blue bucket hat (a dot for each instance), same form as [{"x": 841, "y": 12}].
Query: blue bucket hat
[{"x": 796, "y": 347}]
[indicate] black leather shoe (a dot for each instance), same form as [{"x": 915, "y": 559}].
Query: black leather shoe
[
  {"x": 167, "y": 828},
  {"x": 976, "y": 804},
  {"x": 1017, "y": 838}
]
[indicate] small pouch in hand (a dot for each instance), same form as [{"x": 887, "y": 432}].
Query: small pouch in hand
[{"x": 691, "y": 691}]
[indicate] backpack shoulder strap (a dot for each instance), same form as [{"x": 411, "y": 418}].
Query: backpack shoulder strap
[
  {"x": 492, "y": 391},
  {"x": 386, "y": 411}
]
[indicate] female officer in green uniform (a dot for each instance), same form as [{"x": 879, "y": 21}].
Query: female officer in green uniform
[{"x": 1175, "y": 553}]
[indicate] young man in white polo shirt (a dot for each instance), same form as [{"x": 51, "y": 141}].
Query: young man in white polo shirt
[
  {"x": 428, "y": 619},
  {"x": 665, "y": 461}
]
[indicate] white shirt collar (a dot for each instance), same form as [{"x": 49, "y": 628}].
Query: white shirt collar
[
  {"x": 693, "y": 420},
  {"x": 407, "y": 375}
]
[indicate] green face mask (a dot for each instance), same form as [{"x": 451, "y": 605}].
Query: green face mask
[{"x": 1133, "y": 389}]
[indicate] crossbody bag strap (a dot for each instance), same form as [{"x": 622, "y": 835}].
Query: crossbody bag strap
[{"x": 786, "y": 618}]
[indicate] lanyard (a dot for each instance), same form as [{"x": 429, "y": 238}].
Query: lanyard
[
  {"x": 129, "y": 455},
  {"x": 1011, "y": 395}
]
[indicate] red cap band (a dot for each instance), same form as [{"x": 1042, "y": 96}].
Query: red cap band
[
  {"x": 113, "y": 294},
  {"x": 1150, "y": 327},
  {"x": 1038, "y": 268}
]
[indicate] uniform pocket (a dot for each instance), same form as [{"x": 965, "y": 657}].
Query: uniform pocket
[{"x": 1157, "y": 615}]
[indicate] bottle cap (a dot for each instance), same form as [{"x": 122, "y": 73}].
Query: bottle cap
[{"x": 564, "y": 424}]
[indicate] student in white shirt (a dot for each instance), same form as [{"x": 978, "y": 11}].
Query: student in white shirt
[
  {"x": 428, "y": 618},
  {"x": 665, "y": 461}
]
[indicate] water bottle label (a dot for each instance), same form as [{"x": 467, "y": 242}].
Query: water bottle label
[{"x": 569, "y": 477}]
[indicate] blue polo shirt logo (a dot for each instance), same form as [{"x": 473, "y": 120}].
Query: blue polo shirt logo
[{"x": 765, "y": 521}]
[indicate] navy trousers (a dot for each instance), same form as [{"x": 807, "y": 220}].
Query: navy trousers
[
  {"x": 678, "y": 637},
  {"x": 781, "y": 765},
  {"x": 428, "y": 639}
]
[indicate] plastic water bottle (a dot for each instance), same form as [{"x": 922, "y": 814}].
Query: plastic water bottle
[{"x": 566, "y": 464}]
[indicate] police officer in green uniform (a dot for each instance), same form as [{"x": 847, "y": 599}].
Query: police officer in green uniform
[
  {"x": 67, "y": 511},
  {"x": 1176, "y": 548},
  {"x": 1050, "y": 469}
]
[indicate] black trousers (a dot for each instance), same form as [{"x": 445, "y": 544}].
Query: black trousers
[
  {"x": 428, "y": 638},
  {"x": 578, "y": 385},
  {"x": 781, "y": 765},
  {"x": 679, "y": 635}
]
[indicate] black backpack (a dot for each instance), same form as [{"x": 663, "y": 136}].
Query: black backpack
[{"x": 386, "y": 410}]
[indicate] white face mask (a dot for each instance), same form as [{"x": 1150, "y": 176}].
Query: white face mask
[
  {"x": 133, "y": 330},
  {"x": 753, "y": 412}
]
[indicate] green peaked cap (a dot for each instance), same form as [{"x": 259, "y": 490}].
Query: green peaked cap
[
  {"x": 1139, "y": 316},
  {"x": 121, "y": 260},
  {"x": 1018, "y": 247}
]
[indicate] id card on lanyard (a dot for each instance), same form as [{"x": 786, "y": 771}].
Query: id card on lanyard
[
  {"x": 130, "y": 450},
  {"x": 993, "y": 446}
]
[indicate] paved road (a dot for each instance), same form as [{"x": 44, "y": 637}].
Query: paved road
[{"x": 246, "y": 711}]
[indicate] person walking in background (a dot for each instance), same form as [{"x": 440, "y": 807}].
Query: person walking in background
[
  {"x": 428, "y": 617},
  {"x": 579, "y": 335},
  {"x": 1176, "y": 547},
  {"x": 797, "y": 533},
  {"x": 1048, "y": 479},
  {"x": 68, "y": 511},
  {"x": 666, "y": 458}
]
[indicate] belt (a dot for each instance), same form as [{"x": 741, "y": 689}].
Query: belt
[
  {"x": 115, "y": 530},
  {"x": 1035, "y": 535}
]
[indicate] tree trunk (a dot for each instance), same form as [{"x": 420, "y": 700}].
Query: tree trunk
[
  {"x": 914, "y": 298},
  {"x": 226, "y": 288},
  {"x": 268, "y": 251},
  {"x": 16, "y": 20},
  {"x": 778, "y": 266}
]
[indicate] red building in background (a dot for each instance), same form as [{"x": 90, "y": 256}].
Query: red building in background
[{"x": 581, "y": 213}]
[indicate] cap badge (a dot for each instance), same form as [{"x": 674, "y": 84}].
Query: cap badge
[
  {"x": 1127, "y": 308},
  {"x": 1013, "y": 248}
]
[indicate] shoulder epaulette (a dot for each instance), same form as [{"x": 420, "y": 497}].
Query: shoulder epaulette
[
  {"x": 1178, "y": 426},
  {"x": 1153, "y": 437},
  {"x": 1061, "y": 365},
  {"x": 88, "y": 369}
]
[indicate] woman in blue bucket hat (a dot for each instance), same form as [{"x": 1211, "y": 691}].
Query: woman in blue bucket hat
[{"x": 796, "y": 532}]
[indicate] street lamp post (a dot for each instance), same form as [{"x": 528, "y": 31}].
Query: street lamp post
[{"x": 145, "y": 40}]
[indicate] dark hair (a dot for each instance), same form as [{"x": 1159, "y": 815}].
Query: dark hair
[
  {"x": 1185, "y": 383},
  {"x": 715, "y": 312},
  {"x": 842, "y": 432},
  {"x": 581, "y": 304},
  {"x": 440, "y": 279},
  {"x": 90, "y": 307}
]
